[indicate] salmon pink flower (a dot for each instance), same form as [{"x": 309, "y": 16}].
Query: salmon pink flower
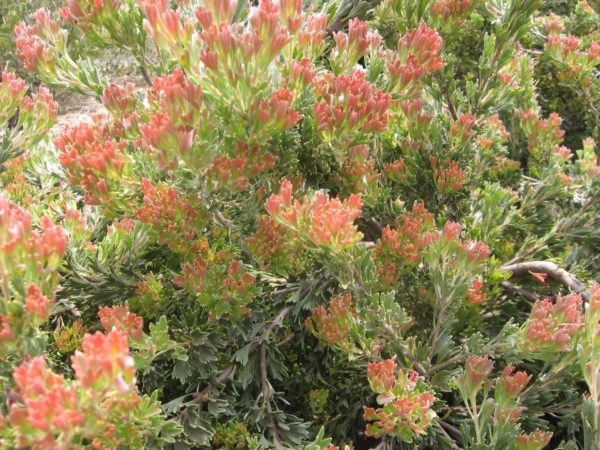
[
  {"x": 382, "y": 375},
  {"x": 86, "y": 13},
  {"x": 12, "y": 92},
  {"x": 104, "y": 364},
  {"x": 177, "y": 97},
  {"x": 120, "y": 318},
  {"x": 476, "y": 295},
  {"x": 447, "y": 9},
  {"x": 417, "y": 55},
  {"x": 275, "y": 114},
  {"x": 311, "y": 38},
  {"x": 37, "y": 303},
  {"x": 49, "y": 406},
  {"x": 510, "y": 385},
  {"x": 534, "y": 441},
  {"x": 348, "y": 108},
  {"x": 332, "y": 324},
  {"x": 551, "y": 326},
  {"x": 477, "y": 370},
  {"x": 175, "y": 218},
  {"x": 318, "y": 219},
  {"x": 166, "y": 27},
  {"x": 448, "y": 176},
  {"x": 350, "y": 48},
  {"x": 170, "y": 142},
  {"x": 407, "y": 403},
  {"x": 401, "y": 247},
  {"x": 6, "y": 332}
]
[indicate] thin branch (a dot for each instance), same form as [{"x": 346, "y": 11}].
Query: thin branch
[
  {"x": 375, "y": 226},
  {"x": 454, "y": 360},
  {"x": 146, "y": 75},
  {"x": 381, "y": 444},
  {"x": 367, "y": 244},
  {"x": 223, "y": 376},
  {"x": 452, "y": 430},
  {"x": 552, "y": 270},
  {"x": 285, "y": 340},
  {"x": 406, "y": 352},
  {"x": 531, "y": 296},
  {"x": 267, "y": 395},
  {"x": 277, "y": 320},
  {"x": 284, "y": 291},
  {"x": 523, "y": 255},
  {"x": 416, "y": 364}
]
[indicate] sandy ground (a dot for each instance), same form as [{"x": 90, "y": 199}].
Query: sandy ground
[{"x": 74, "y": 108}]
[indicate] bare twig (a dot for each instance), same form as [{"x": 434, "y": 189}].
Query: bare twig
[
  {"x": 531, "y": 296},
  {"x": 406, "y": 352},
  {"x": 451, "y": 429},
  {"x": 416, "y": 364},
  {"x": 381, "y": 444},
  {"x": 267, "y": 395},
  {"x": 522, "y": 256},
  {"x": 367, "y": 244},
  {"x": 146, "y": 75},
  {"x": 223, "y": 376},
  {"x": 285, "y": 340},
  {"x": 375, "y": 226},
  {"x": 454, "y": 360},
  {"x": 284, "y": 291},
  {"x": 552, "y": 270}
]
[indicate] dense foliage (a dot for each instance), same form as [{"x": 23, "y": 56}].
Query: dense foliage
[{"x": 351, "y": 223}]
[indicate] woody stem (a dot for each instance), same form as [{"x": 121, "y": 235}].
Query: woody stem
[{"x": 5, "y": 285}]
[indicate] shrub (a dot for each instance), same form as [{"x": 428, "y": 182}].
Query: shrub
[{"x": 317, "y": 220}]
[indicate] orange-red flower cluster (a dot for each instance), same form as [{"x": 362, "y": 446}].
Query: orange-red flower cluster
[
  {"x": 348, "y": 107},
  {"x": 311, "y": 39},
  {"x": 36, "y": 303},
  {"x": 551, "y": 326},
  {"x": 534, "y": 441},
  {"x": 271, "y": 246},
  {"x": 418, "y": 54},
  {"x": 235, "y": 172},
  {"x": 319, "y": 219},
  {"x": 104, "y": 364},
  {"x": 401, "y": 247},
  {"x": 332, "y": 324},
  {"x": 33, "y": 48},
  {"x": 35, "y": 114},
  {"x": 447, "y": 9},
  {"x": 176, "y": 219},
  {"x": 382, "y": 375},
  {"x": 176, "y": 96},
  {"x": 511, "y": 384},
  {"x": 448, "y": 176},
  {"x": 12, "y": 91},
  {"x": 85, "y": 13},
  {"x": 166, "y": 27},
  {"x": 275, "y": 114},
  {"x": 92, "y": 160},
  {"x": 232, "y": 52},
  {"x": 352, "y": 46},
  {"x": 475, "y": 375},
  {"x": 50, "y": 412},
  {"x": 407, "y": 403},
  {"x": 120, "y": 318},
  {"x": 24, "y": 248},
  {"x": 476, "y": 294},
  {"x": 220, "y": 283},
  {"x": 358, "y": 173},
  {"x": 122, "y": 103},
  {"x": 47, "y": 404}
]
